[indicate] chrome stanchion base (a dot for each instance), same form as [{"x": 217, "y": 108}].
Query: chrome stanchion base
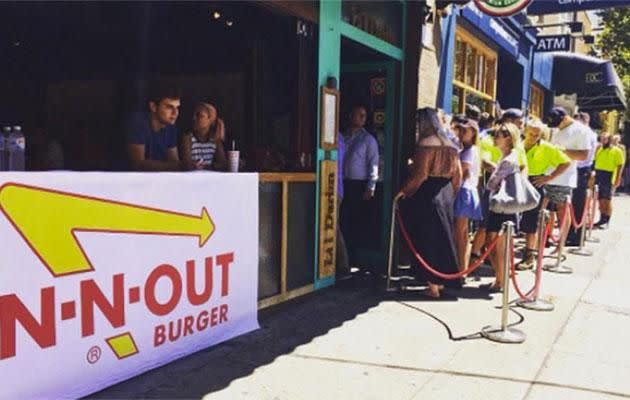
[
  {"x": 508, "y": 335},
  {"x": 583, "y": 251},
  {"x": 592, "y": 239},
  {"x": 558, "y": 269},
  {"x": 536, "y": 305}
]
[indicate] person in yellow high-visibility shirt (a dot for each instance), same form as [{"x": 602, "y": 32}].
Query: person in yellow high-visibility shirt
[
  {"x": 615, "y": 140},
  {"x": 545, "y": 162},
  {"x": 609, "y": 162}
]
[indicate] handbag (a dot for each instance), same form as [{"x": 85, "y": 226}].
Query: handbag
[{"x": 516, "y": 195}]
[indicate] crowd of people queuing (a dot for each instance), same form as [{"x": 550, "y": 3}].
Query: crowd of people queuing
[{"x": 460, "y": 161}]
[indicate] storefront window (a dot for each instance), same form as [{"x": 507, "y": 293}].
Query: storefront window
[
  {"x": 536, "y": 101},
  {"x": 491, "y": 73},
  {"x": 475, "y": 73},
  {"x": 382, "y": 19},
  {"x": 475, "y": 100},
  {"x": 471, "y": 67},
  {"x": 457, "y": 100},
  {"x": 460, "y": 61}
]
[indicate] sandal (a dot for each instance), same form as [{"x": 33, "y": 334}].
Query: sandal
[
  {"x": 474, "y": 259},
  {"x": 490, "y": 288}
]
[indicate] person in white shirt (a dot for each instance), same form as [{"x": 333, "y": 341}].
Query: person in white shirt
[
  {"x": 584, "y": 170},
  {"x": 573, "y": 138}
]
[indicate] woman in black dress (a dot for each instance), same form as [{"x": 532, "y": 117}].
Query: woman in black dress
[{"x": 429, "y": 193}]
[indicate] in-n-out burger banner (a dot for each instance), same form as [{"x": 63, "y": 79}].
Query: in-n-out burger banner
[{"x": 104, "y": 276}]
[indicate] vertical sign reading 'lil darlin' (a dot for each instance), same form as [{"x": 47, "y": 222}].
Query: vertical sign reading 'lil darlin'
[{"x": 327, "y": 218}]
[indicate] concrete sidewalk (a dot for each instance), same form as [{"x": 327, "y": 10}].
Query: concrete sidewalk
[{"x": 355, "y": 342}]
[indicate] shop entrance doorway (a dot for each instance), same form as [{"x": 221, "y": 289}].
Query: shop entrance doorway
[{"x": 374, "y": 85}]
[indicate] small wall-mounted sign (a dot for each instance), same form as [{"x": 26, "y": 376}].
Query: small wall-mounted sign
[{"x": 553, "y": 43}]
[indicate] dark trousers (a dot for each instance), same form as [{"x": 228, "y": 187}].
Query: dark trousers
[
  {"x": 355, "y": 217},
  {"x": 579, "y": 199}
]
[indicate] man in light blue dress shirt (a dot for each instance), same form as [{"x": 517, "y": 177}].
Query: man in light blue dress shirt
[{"x": 360, "y": 173}]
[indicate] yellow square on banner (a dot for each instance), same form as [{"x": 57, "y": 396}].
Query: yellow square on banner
[{"x": 123, "y": 345}]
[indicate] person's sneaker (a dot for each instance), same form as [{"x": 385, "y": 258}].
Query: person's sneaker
[{"x": 603, "y": 225}]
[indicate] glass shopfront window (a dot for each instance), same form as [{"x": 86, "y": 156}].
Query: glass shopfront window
[
  {"x": 475, "y": 73},
  {"x": 536, "y": 101},
  {"x": 382, "y": 19}
]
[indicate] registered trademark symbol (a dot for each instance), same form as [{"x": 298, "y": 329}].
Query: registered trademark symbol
[{"x": 94, "y": 354}]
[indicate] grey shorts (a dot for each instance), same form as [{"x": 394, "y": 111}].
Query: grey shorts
[{"x": 557, "y": 194}]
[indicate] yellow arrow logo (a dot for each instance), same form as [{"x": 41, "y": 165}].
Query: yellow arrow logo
[{"x": 48, "y": 220}]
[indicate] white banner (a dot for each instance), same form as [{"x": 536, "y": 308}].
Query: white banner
[{"x": 106, "y": 275}]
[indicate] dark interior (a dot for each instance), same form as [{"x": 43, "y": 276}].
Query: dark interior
[{"x": 74, "y": 71}]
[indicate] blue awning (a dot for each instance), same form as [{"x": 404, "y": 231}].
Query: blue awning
[
  {"x": 594, "y": 80},
  {"x": 543, "y": 69},
  {"x": 538, "y": 7}
]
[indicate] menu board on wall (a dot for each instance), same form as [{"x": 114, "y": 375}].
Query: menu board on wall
[{"x": 329, "y": 120}]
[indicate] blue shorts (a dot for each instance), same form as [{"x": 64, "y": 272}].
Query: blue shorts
[{"x": 467, "y": 204}]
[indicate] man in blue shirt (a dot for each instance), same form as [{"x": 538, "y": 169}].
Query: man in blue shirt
[
  {"x": 360, "y": 173},
  {"x": 152, "y": 136}
]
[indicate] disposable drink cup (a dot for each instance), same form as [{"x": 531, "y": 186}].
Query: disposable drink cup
[{"x": 233, "y": 159}]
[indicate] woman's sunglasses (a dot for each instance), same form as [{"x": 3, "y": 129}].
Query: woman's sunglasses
[{"x": 501, "y": 133}]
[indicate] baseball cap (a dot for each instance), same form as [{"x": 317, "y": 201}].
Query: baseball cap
[
  {"x": 468, "y": 123},
  {"x": 555, "y": 116},
  {"x": 512, "y": 113}
]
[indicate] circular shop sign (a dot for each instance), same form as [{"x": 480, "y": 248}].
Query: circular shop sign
[{"x": 501, "y": 8}]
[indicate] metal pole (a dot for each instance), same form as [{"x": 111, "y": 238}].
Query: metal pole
[
  {"x": 503, "y": 333},
  {"x": 535, "y": 303},
  {"x": 582, "y": 250},
  {"x": 590, "y": 238},
  {"x": 558, "y": 267},
  {"x": 391, "y": 244}
]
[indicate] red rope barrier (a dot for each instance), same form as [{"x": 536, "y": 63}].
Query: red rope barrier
[
  {"x": 577, "y": 226},
  {"x": 533, "y": 292},
  {"x": 432, "y": 270}
]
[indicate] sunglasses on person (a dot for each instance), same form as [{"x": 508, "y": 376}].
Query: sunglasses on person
[{"x": 501, "y": 133}]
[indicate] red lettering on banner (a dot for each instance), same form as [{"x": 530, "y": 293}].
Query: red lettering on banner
[
  {"x": 214, "y": 316},
  {"x": 111, "y": 305},
  {"x": 188, "y": 325},
  {"x": 194, "y": 297},
  {"x": 223, "y": 313},
  {"x": 153, "y": 305},
  {"x": 202, "y": 321},
  {"x": 224, "y": 260},
  {"x": 181, "y": 327},
  {"x": 12, "y": 310},
  {"x": 114, "y": 312},
  {"x": 159, "y": 337},
  {"x": 171, "y": 335}
]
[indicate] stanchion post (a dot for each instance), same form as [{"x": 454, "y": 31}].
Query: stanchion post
[
  {"x": 504, "y": 333},
  {"x": 582, "y": 250},
  {"x": 557, "y": 267},
  {"x": 535, "y": 303},
  {"x": 589, "y": 237},
  {"x": 391, "y": 244}
]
